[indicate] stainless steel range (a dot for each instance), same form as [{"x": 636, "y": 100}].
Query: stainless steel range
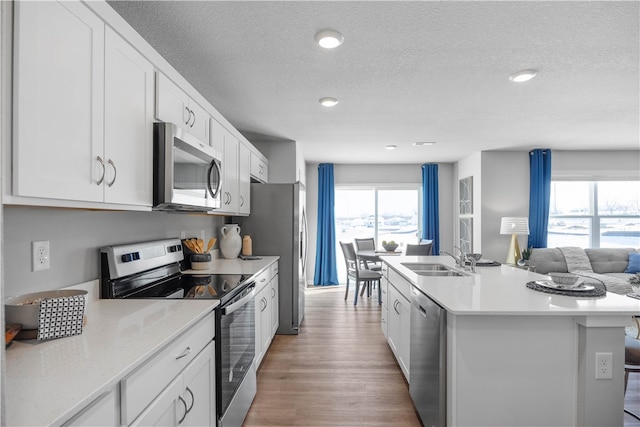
[{"x": 152, "y": 270}]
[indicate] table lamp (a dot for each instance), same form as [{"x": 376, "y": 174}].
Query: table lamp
[{"x": 514, "y": 226}]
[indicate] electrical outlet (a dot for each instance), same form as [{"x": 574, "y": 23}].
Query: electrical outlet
[
  {"x": 604, "y": 366},
  {"x": 40, "y": 255}
]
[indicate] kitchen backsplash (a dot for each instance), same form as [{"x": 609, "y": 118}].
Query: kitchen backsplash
[{"x": 75, "y": 238}]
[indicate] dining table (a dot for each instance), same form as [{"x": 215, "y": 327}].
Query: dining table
[{"x": 374, "y": 256}]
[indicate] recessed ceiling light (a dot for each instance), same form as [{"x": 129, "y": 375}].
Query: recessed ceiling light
[
  {"x": 523, "y": 76},
  {"x": 329, "y": 39},
  {"x": 328, "y": 102},
  {"x": 390, "y": 147},
  {"x": 420, "y": 144}
]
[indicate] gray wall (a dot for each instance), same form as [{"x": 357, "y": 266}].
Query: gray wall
[
  {"x": 379, "y": 175},
  {"x": 501, "y": 187},
  {"x": 75, "y": 238}
]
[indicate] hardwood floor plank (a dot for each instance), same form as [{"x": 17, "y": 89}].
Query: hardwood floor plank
[{"x": 339, "y": 371}]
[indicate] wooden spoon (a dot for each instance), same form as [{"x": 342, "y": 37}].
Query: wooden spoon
[{"x": 212, "y": 242}]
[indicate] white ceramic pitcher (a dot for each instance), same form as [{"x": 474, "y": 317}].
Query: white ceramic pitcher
[{"x": 231, "y": 242}]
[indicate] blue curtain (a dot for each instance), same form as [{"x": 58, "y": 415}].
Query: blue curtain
[
  {"x": 326, "y": 271},
  {"x": 539, "y": 197},
  {"x": 430, "y": 217}
]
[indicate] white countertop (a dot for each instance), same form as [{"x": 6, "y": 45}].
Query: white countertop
[
  {"x": 502, "y": 291},
  {"x": 47, "y": 382},
  {"x": 236, "y": 266}
]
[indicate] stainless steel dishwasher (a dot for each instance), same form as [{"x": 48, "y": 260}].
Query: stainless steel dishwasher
[{"x": 428, "y": 366}]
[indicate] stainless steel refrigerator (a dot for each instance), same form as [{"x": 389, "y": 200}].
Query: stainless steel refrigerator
[{"x": 278, "y": 226}]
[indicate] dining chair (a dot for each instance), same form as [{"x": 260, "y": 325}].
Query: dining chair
[
  {"x": 359, "y": 275},
  {"x": 418, "y": 249},
  {"x": 368, "y": 244}
]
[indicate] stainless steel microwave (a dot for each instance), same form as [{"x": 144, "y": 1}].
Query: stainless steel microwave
[{"x": 186, "y": 172}]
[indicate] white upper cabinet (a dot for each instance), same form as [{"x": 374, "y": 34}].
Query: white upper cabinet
[
  {"x": 128, "y": 123},
  {"x": 83, "y": 109},
  {"x": 259, "y": 168},
  {"x": 230, "y": 174},
  {"x": 244, "y": 179},
  {"x": 58, "y": 101},
  {"x": 236, "y": 164},
  {"x": 175, "y": 106}
]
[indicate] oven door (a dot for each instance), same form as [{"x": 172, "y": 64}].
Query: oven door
[
  {"x": 235, "y": 345},
  {"x": 187, "y": 172}
]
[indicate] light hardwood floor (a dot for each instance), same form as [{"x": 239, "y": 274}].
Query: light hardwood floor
[{"x": 340, "y": 371}]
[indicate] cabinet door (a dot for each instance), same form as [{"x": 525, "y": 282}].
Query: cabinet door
[
  {"x": 167, "y": 409},
  {"x": 404, "y": 307},
  {"x": 199, "y": 392},
  {"x": 216, "y": 135},
  {"x": 275, "y": 315},
  {"x": 244, "y": 179},
  {"x": 260, "y": 307},
  {"x": 394, "y": 320},
  {"x": 172, "y": 103},
  {"x": 265, "y": 321},
  {"x": 101, "y": 412},
  {"x": 384, "y": 319},
  {"x": 58, "y": 101},
  {"x": 128, "y": 123},
  {"x": 199, "y": 123},
  {"x": 230, "y": 170}
]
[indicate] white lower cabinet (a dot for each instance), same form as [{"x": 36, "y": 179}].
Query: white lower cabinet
[
  {"x": 266, "y": 311},
  {"x": 176, "y": 386},
  {"x": 384, "y": 318},
  {"x": 275, "y": 305},
  {"x": 103, "y": 411},
  {"x": 398, "y": 324},
  {"x": 189, "y": 400}
]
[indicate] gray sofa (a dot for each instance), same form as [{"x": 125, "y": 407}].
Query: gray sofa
[{"x": 607, "y": 265}]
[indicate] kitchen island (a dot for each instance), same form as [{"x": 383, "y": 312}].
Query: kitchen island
[{"x": 515, "y": 356}]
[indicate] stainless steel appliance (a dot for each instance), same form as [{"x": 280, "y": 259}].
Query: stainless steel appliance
[
  {"x": 278, "y": 226},
  {"x": 152, "y": 270},
  {"x": 428, "y": 370},
  {"x": 186, "y": 172}
]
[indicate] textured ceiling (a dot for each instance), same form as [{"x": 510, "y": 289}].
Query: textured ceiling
[{"x": 409, "y": 71}]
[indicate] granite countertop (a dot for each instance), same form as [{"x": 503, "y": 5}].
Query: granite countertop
[
  {"x": 502, "y": 291},
  {"x": 48, "y": 382}
]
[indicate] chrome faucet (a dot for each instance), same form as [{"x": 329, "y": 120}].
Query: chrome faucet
[{"x": 459, "y": 261}]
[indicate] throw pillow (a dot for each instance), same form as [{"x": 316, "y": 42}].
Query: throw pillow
[{"x": 634, "y": 263}]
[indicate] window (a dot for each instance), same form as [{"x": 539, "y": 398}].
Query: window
[
  {"x": 594, "y": 214},
  {"x": 384, "y": 213}
]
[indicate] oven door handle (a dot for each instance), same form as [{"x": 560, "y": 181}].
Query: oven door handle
[{"x": 238, "y": 304}]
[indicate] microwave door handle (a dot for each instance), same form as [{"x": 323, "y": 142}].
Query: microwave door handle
[{"x": 214, "y": 168}]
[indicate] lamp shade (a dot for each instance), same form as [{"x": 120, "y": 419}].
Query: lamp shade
[{"x": 514, "y": 225}]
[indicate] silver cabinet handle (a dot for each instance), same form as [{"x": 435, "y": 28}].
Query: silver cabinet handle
[
  {"x": 241, "y": 201},
  {"x": 101, "y": 180},
  {"x": 188, "y": 118},
  {"x": 115, "y": 172},
  {"x": 185, "y": 353},
  {"x": 186, "y": 411},
  {"x": 194, "y": 119},
  {"x": 264, "y": 301},
  {"x": 273, "y": 293},
  {"x": 395, "y": 306},
  {"x": 193, "y": 400}
]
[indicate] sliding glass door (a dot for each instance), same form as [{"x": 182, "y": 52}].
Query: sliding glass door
[{"x": 382, "y": 212}]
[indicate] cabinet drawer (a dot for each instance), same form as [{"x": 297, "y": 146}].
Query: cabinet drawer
[
  {"x": 262, "y": 279},
  {"x": 141, "y": 387},
  {"x": 400, "y": 283}
]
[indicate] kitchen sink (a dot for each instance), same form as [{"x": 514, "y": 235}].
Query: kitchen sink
[
  {"x": 431, "y": 269},
  {"x": 432, "y": 273}
]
